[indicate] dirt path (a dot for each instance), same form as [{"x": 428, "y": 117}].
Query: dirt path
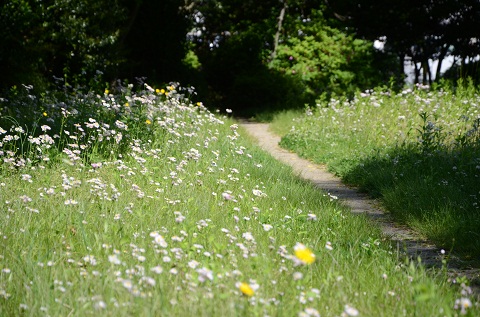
[{"x": 406, "y": 239}]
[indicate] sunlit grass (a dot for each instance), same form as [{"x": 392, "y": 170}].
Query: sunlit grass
[
  {"x": 284, "y": 121},
  {"x": 417, "y": 150},
  {"x": 181, "y": 215}
]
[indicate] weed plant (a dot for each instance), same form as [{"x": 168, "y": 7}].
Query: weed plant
[
  {"x": 144, "y": 204},
  {"x": 417, "y": 150}
]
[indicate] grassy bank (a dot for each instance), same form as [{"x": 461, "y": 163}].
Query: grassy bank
[
  {"x": 419, "y": 151},
  {"x": 143, "y": 204}
]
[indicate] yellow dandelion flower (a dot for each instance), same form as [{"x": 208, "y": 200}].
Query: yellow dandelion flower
[
  {"x": 246, "y": 289},
  {"x": 199, "y": 104},
  {"x": 171, "y": 88},
  {"x": 106, "y": 91},
  {"x": 127, "y": 104},
  {"x": 45, "y": 114},
  {"x": 304, "y": 254},
  {"x": 148, "y": 121},
  {"x": 166, "y": 94},
  {"x": 162, "y": 91}
]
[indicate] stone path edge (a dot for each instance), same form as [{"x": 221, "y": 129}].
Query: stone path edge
[{"x": 405, "y": 239}]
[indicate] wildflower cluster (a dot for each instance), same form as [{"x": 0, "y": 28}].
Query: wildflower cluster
[
  {"x": 185, "y": 218},
  {"x": 419, "y": 149},
  {"x": 171, "y": 212}
]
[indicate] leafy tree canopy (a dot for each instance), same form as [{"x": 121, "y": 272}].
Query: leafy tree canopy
[
  {"x": 245, "y": 47},
  {"x": 261, "y": 53}
]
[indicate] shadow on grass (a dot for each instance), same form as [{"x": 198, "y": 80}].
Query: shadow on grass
[{"x": 437, "y": 193}]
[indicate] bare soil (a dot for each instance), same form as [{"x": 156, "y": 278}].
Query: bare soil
[{"x": 405, "y": 239}]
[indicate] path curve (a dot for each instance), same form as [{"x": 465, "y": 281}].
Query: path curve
[{"x": 406, "y": 239}]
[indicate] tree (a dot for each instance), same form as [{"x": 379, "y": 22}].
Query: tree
[
  {"x": 42, "y": 39},
  {"x": 245, "y": 48},
  {"x": 233, "y": 40},
  {"x": 327, "y": 59},
  {"x": 153, "y": 42},
  {"x": 420, "y": 30}
]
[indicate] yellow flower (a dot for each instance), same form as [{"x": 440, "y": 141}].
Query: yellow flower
[
  {"x": 199, "y": 104},
  {"x": 171, "y": 88},
  {"x": 166, "y": 94},
  {"x": 246, "y": 289},
  {"x": 304, "y": 254},
  {"x": 106, "y": 91},
  {"x": 158, "y": 91},
  {"x": 45, "y": 114},
  {"x": 127, "y": 104},
  {"x": 148, "y": 121},
  {"x": 162, "y": 91}
]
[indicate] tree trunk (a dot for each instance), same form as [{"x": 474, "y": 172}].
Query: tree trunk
[
  {"x": 424, "y": 72},
  {"x": 439, "y": 67},
  {"x": 279, "y": 29},
  {"x": 427, "y": 73},
  {"x": 463, "y": 69},
  {"x": 443, "y": 53},
  {"x": 417, "y": 71},
  {"x": 402, "y": 65}
]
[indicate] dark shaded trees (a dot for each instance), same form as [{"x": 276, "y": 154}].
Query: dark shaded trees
[
  {"x": 78, "y": 40},
  {"x": 273, "y": 54},
  {"x": 153, "y": 42},
  {"x": 42, "y": 39},
  {"x": 269, "y": 52},
  {"x": 419, "y": 30},
  {"x": 233, "y": 40}
]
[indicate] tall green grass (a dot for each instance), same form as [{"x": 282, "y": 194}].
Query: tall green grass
[
  {"x": 149, "y": 205},
  {"x": 417, "y": 150}
]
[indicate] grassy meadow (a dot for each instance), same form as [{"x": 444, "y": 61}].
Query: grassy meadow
[
  {"x": 417, "y": 150},
  {"x": 142, "y": 203}
]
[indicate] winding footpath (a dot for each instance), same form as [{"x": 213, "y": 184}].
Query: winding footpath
[{"x": 406, "y": 239}]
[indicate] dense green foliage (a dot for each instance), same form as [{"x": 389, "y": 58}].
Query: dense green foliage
[
  {"x": 328, "y": 60},
  {"x": 281, "y": 55},
  {"x": 61, "y": 38},
  {"x": 88, "y": 42},
  {"x": 419, "y": 151},
  {"x": 244, "y": 55}
]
